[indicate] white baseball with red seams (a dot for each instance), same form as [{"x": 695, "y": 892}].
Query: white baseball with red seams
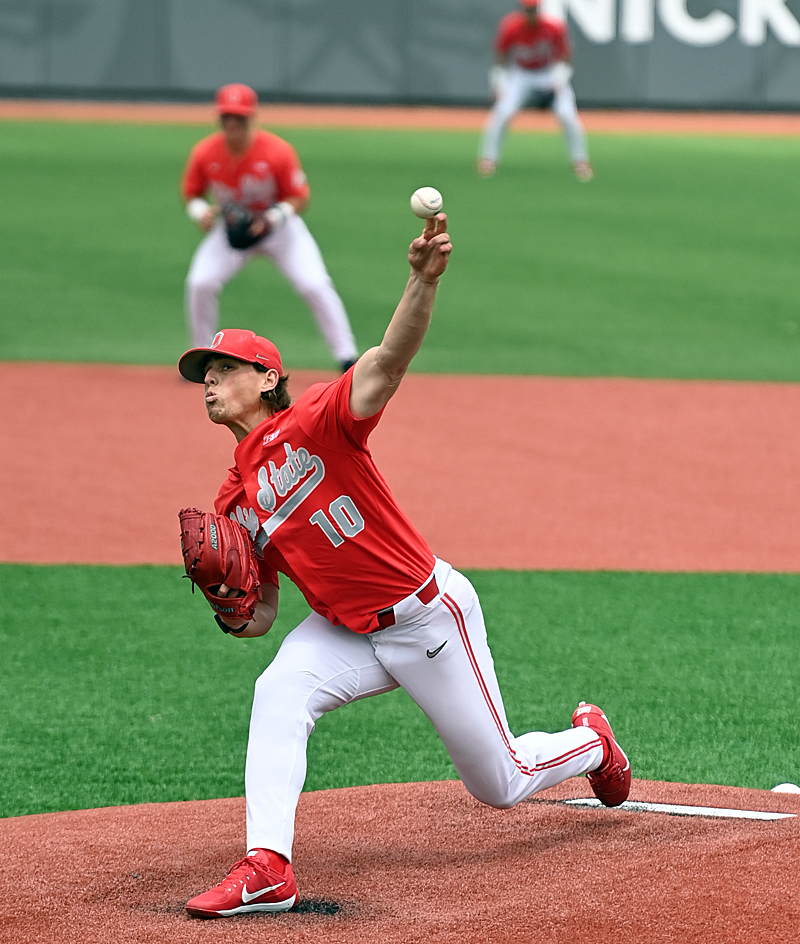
[{"x": 426, "y": 202}]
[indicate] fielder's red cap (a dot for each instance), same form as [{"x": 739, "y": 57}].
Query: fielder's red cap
[
  {"x": 237, "y": 99},
  {"x": 232, "y": 342}
]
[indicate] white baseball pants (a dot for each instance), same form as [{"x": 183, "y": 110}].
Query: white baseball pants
[
  {"x": 438, "y": 653},
  {"x": 295, "y": 252},
  {"x": 520, "y": 85}
]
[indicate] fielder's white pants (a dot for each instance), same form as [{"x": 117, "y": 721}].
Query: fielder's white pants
[
  {"x": 295, "y": 252},
  {"x": 519, "y": 86},
  {"x": 320, "y": 667}
]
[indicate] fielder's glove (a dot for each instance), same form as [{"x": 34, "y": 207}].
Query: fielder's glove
[
  {"x": 243, "y": 227},
  {"x": 217, "y": 550}
]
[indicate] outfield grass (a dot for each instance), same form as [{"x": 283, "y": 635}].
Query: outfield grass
[
  {"x": 118, "y": 688},
  {"x": 678, "y": 260}
]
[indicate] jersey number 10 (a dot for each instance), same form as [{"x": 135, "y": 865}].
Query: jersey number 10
[{"x": 344, "y": 514}]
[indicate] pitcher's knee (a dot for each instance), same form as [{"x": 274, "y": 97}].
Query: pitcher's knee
[
  {"x": 275, "y": 688},
  {"x": 284, "y": 695},
  {"x": 505, "y": 804},
  {"x": 497, "y": 796},
  {"x": 497, "y": 802}
]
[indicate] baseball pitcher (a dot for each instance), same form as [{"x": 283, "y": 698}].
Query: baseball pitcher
[
  {"x": 532, "y": 64},
  {"x": 385, "y": 611}
]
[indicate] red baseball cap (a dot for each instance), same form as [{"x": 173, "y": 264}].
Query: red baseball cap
[
  {"x": 232, "y": 342},
  {"x": 237, "y": 99}
]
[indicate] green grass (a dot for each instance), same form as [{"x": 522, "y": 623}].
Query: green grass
[
  {"x": 118, "y": 688},
  {"x": 678, "y": 260}
]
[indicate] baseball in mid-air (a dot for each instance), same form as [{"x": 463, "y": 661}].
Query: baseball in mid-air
[
  {"x": 426, "y": 202},
  {"x": 786, "y": 788}
]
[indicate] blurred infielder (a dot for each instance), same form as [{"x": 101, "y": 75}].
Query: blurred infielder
[
  {"x": 257, "y": 175},
  {"x": 533, "y": 53},
  {"x": 385, "y": 612}
]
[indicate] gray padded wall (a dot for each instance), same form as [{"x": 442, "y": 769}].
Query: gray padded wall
[{"x": 635, "y": 53}]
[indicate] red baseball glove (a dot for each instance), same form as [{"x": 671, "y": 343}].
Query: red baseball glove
[{"x": 218, "y": 550}]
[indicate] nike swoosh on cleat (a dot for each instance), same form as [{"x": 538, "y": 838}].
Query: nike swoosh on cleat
[
  {"x": 435, "y": 652},
  {"x": 249, "y": 896}
]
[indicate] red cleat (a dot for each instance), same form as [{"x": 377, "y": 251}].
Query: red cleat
[
  {"x": 262, "y": 881},
  {"x": 611, "y": 782}
]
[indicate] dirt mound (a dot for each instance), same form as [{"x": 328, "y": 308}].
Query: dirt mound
[{"x": 417, "y": 863}]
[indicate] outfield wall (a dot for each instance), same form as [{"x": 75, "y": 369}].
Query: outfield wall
[{"x": 725, "y": 54}]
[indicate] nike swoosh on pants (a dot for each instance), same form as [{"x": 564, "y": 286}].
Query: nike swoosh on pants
[{"x": 435, "y": 652}]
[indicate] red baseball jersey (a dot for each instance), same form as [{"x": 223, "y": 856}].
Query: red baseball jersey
[
  {"x": 269, "y": 171},
  {"x": 306, "y": 487},
  {"x": 532, "y": 47}
]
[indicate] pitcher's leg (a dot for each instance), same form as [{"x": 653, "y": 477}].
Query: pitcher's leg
[
  {"x": 214, "y": 263},
  {"x": 458, "y": 690},
  {"x": 295, "y": 252},
  {"x": 318, "y": 667}
]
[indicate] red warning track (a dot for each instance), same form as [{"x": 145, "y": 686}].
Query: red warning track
[{"x": 414, "y": 118}]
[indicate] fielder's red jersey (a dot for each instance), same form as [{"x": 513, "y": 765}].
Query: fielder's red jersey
[
  {"x": 532, "y": 47},
  {"x": 306, "y": 487},
  {"x": 268, "y": 171}
]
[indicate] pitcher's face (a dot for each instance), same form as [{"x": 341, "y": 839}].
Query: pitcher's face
[{"x": 233, "y": 392}]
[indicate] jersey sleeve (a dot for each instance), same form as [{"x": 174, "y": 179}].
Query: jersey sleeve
[
  {"x": 290, "y": 179},
  {"x": 194, "y": 182},
  {"x": 231, "y": 501},
  {"x": 504, "y": 37},
  {"x": 228, "y": 491},
  {"x": 563, "y": 46},
  {"x": 324, "y": 414},
  {"x": 267, "y": 573}
]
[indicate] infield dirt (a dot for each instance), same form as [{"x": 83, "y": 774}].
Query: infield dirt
[
  {"x": 572, "y": 474},
  {"x": 417, "y": 864}
]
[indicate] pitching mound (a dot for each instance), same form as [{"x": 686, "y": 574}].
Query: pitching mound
[{"x": 418, "y": 863}]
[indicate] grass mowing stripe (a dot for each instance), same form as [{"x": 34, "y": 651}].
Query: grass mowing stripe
[
  {"x": 678, "y": 260},
  {"x": 118, "y": 688}
]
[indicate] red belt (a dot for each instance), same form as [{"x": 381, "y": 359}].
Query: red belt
[{"x": 425, "y": 594}]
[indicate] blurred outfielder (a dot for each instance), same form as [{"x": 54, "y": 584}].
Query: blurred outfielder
[{"x": 532, "y": 65}]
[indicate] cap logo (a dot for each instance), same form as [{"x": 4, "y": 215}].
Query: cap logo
[{"x": 218, "y": 339}]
